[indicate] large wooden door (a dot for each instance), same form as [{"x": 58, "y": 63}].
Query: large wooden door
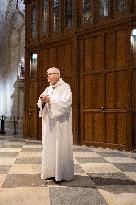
[{"x": 105, "y": 89}]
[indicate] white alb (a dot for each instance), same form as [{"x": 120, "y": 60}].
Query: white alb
[{"x": 57, "y": 139}]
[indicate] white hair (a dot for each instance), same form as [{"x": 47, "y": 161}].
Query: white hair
[{"x": 53, "y": 70}]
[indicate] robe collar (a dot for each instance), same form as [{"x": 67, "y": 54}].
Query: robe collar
[{"x": 60, "y": 82}]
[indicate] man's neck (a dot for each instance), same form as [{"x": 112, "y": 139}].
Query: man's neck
[{"x": 56, "y": 81}]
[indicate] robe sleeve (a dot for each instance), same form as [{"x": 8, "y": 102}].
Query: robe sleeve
[
  {"x": 60, "y": 104},
  {"x": 42, "y": 111}
]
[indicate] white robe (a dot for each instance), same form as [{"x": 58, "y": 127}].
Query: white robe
[{"x": 57, "y": 139}]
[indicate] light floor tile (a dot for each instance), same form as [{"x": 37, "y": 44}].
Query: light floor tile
[
  {"x": 119, "y": 195},
  {"x": 25, "y": 169},
  {"x": 86, "y": 154},
  {"x": 25, "y": 196},
  {"x": 120, "y": 159},
  {"x": 7, "y": 160},
  {"x": 10, "y": 149},
  {"x": 101, "y": 149},
  {"x": 27, "y": 160},
  {"x": 32, "y": 146},
  {"x": 31, "y": 150},
  {"x": 2, "y": 178},
  {"x": 78, "y": 169},
  {"x": 132, "y": 175},
  {"x": 99, "y": 168},
  {"x": 29, "y": 154},
  {"x": 13, "y": 143}
]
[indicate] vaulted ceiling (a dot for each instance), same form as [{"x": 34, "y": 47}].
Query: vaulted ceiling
[
  {"x": 3, "y": 8},
  {"x": 8, "y": 15}
]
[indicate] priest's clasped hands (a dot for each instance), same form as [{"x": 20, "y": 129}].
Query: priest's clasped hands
[{"x": 45, "y": 98}]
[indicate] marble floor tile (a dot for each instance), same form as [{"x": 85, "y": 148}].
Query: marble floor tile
[
  {"x": 7, "y": 160},
  {"x": 2, "y": 178},
  {"x": 119, "y": 195},
  {"x": 10, "y": 149},
  {"x": 12, "y": 146},
  {"x": 90, "y": 160},
  {"x": 30, "y": 154},
  {"x": 2, "y": 140},
  {"x": 27, "y": 160},
  {"x": 25, "y": 169},
  {"x": 126, "y": 167},
  {"x": 99, "y": 168},
  {"x": 129, "y": 154},
  {"x": 8, "y": 154},
  {"x": 79, "y": 181},
  {"x": 6, "y": 143},
  {"x": 101, "y": 149},
  {"x": 134, "y": 157},
  {"x": 25, "y": 196},
  {"x": 28, "y": 141},
  {"x": 32, "y": 146},
  {"x": 120, "y": 159},
  {"x": 23, "y": 180},
  {"x": 78, "y": 169},
  {"x": 4, "y": 169},
  {"x": 31, "y": 150},
  {"x": 111, "y": 179},
  {"x": 86, "y": 154},
  {"x": 75, "y": 196},
  {"x": 102, "y": 176},
  {"x": 82, "y": 149},
  {"x": 112, "y": 154},
  {"x": 132, "y": 175}
]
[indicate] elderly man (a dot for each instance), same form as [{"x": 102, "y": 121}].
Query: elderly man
[{"x": 56, "y": 112}]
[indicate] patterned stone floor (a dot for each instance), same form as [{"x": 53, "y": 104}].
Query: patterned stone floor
[{"x": 102, "y": 176}]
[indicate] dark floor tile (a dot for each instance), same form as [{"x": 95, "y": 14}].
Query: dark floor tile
[
  {"x": 22, "y": 180},
  {"x": 103, "y": 179},
  {"x": 78, "y": 169},
  {"x": 90, "y": 160},
  {"x": 32, "y": 160},
  {"x": 79, "y": 181},
  {"x": 4, "y": 169},
  {"x": 112, "y": 154},
  {"x": 31, "y": 142},
  {"x": 31, "y": 150},
  {"x": 9, "y": 154},
  {"x": 85, "y": 149},
  {"x": 75, "y": 196},
  {"x": 126, "y": 167}
]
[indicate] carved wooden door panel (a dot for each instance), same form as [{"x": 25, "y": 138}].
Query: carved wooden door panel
[
  {"x": 118, "y": 89},
  {"x": 105, "y": 90},
  {"x": 92, "y": 90}
]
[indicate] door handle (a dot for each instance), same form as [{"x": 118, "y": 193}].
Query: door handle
[{"x": 102, "y": 108}]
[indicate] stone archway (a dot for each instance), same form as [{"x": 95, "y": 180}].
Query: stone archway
[{"x": 15, "y": 41}]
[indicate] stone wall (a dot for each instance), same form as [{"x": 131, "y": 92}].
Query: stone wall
[{"x": 11, "y": 87}]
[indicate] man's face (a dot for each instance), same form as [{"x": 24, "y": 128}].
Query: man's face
[{"x": 53, "y": 78}]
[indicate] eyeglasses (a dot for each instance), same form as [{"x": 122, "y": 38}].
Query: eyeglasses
[{"x": 51, "y": 73}]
